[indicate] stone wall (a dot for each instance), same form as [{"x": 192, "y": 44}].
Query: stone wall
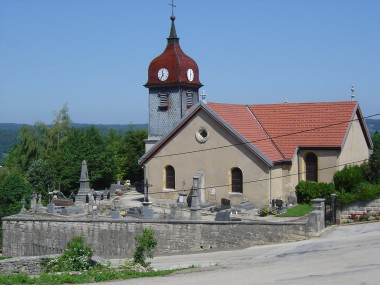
[
  {"x": 30, "y": 264},
  {"x": 25, "y": 235},
  {"x": 359, "y": 208}
]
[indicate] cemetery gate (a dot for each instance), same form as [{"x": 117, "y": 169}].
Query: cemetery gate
[{"x": 331, "y": 204}]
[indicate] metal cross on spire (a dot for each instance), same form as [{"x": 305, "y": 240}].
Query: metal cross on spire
[
  {"x": 172, "y": 4},
  {"x": 352, "y": 93}
]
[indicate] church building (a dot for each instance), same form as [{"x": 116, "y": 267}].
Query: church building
[{"x": 240, "y": 152}]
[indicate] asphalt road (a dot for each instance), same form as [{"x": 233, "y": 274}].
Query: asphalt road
[{"x": 347, "y": 255}]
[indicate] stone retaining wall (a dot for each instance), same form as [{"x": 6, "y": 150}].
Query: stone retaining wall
[
  {"x": 31, "y": 236},
  {"x": 359, "y": 208},
  {"x": 30, "y": 265},
  {"x": 28, "y": 235}
]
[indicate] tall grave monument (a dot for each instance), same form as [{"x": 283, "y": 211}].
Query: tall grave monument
[{"x": 84, "y": 181}]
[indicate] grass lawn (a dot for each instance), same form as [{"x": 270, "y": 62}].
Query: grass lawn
[
  {"x": 297, "y": 211},
  {"x": 84, "y": 277},
  {"x": 4, "y": 257}
]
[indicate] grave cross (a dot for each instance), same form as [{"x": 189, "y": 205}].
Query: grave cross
[{"x": 146, "y": 190}]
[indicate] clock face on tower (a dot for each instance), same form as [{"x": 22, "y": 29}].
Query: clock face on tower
[
  {"x": 163, "y": 74},
  {"x": 190, "y": 74}
]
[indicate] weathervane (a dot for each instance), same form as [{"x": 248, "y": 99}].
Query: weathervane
[{"x": 172, "y": 4}]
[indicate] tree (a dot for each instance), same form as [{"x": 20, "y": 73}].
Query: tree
[
  {"x": 127, "y": 149},
  {"x": 40, "y": 176},
  {"x": 13, "y": 188},
  {"x": 85, "y": 144},
  {"x": 60, "y": 129},
  {"x": 32, "y": 145},
  {"x": 373, "y": 165}
]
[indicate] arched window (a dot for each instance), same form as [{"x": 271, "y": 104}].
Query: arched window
[
  {"x": 311, "y": 167},
  {"x": 169, "y": 177},
  {"x": 236, "y": 180}
]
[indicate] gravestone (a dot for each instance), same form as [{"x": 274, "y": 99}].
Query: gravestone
[
  {"x": 195, "y": 210},
  {"x": 223, "y": 215},
  {"x": 23, "y": 210},
  {"x": 33, "y": 202},
  {"x": 134, "y": 211},
  {"x": 243, "y": 207},
  {"x": 51, "y": 208},
  {"x": 182, "y": 199},
  {"x": 173, "y": 212},
  {"x": 84, "y": 187},
  {"x": 115, "y": 214},
  {"x": 39, "y": 203},
  {"x": 147, "y": 212},
  {"x": 225, "y": 204},
  {"x": 72, "y": 210}
]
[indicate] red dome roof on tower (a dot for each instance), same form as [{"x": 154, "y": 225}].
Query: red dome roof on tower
[{"x": 176, "y": 62}]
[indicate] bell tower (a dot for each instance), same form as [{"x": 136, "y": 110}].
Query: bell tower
[{"x": 173, "y": 83}]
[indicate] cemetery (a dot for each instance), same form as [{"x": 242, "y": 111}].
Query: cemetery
[{"x": 110, "y": 219}]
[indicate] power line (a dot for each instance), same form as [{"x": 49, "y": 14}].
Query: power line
[
  {"x": 258, "y": 140},
  {"x": 265, "y": 179}
]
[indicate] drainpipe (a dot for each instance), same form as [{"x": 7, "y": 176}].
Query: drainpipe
[
  {"x": 144, "y": 169},
  {"x": 270, "y": 186},
  {"x": 298, "y": 165}
]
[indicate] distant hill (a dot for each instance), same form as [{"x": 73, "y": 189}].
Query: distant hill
[
  {"x": 9, "y": 133},
  {"x": 373, "y": 125}
]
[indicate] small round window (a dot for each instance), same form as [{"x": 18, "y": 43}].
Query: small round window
[{"x": 202, "y": 134}]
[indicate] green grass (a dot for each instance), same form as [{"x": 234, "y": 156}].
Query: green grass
[
  {"x": 4, "y": 257},
  {"x": 297, "y": 211},
  {"x": 84, "y": 277}
]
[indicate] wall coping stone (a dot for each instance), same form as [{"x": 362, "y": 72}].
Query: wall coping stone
[{"x": 131, "y": 221}]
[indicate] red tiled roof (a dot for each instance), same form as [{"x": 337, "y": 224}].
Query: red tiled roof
[
  {"x": 278, "y": 129},
  {"x": 243, "y": 121}
]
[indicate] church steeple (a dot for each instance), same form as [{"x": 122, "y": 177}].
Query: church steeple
[
  {"x": 173, "y": 82},
  {"x": 173, "y": 33},
  {"x": 173, "y": 65}
]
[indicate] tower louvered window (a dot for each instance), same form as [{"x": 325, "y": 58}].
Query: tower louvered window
[
  {"x": 189, "y": 98},
  {"x": 164, "y": 98}
]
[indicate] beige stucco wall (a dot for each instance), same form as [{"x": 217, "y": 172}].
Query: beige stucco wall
[
  {"x": 215, "y": 164},
  {"x": 355, "y": 148},
  {"x": 327, "y": 164}
]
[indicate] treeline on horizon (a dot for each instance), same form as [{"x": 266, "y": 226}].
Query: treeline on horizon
[
  {"x": 9, "y": 132},
  {"x": 49, "y": 157}
]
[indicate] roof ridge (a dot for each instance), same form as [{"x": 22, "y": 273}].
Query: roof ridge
[{"x": 265, "y": 131}]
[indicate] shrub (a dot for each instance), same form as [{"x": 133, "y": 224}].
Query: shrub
[
  {"x": 145, "y": 245},
  {"x": 308, "y": 190},
  {"x": 362, "y": 192},
  {"x": 349, "y": 177},
  {"x": 263, "y": 212},
  {"x": 76, "y": 257}
]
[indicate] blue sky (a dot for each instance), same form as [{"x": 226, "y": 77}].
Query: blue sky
[{"x": 94, "y": 54}]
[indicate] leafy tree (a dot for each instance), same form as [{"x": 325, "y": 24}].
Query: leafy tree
[
  {"x": 32, "y": 145},
  {"x": 40, "y": 176},
  {"x": 85, "y": 144},
  {"x": 373, "y": 165},
  {"x": 13, "y": 188},
  {"x": 60, "y": 129}
]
